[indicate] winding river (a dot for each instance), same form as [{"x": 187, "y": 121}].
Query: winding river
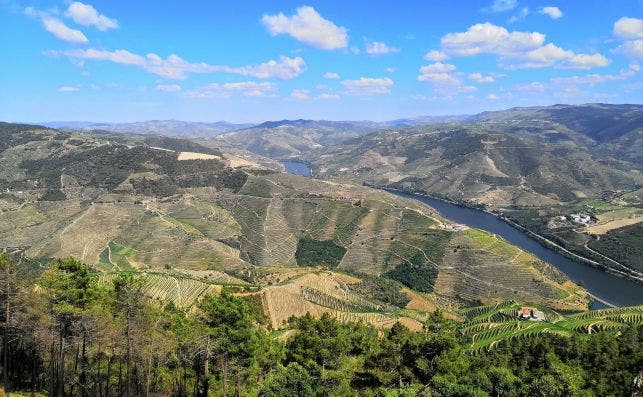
[{"x": 606, "y": 286}]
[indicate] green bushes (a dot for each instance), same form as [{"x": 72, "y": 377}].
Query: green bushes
[
  {"x": 314, "y": 252},
  {"x": 418, "y": 277}
]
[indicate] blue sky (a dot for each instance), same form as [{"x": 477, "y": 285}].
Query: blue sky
[{"x": 249, "y": 61}]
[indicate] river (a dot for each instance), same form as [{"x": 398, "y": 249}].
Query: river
[{"x": 608, "y": 287}]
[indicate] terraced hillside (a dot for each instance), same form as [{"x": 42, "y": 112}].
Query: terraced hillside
[
  {"x": 123, "y": 206},
  {"x": 486, "y": 326}
]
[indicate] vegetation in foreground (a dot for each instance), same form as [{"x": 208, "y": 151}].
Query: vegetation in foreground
[{"x": 66, "y": 334}]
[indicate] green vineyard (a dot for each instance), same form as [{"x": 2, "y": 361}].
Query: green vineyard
[
  {"x": 486, "y": 326},
  {"x": 180, "y": 290}
]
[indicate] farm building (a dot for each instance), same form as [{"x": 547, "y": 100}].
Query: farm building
[{"x": 531, "y": 314}]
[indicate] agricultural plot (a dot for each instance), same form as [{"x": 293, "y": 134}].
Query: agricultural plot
[
  {"x": 486, "y": 326},
  {"x": 164, "y": 288},
  {"x": 481, "y": 267},
  {"x": 325, "y": 292}
]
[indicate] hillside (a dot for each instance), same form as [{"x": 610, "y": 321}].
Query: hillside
[
  {"x": 311, "y": 246},
  {"x": 288, "y": 138},
  {"x": 613, "y": 129},
  {"x": 524, "y": 163},
  {"x": 531, "y": 164}
]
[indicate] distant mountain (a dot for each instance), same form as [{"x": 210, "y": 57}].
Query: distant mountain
[
  {"x": 613, "y": 129},
  {"x": 525, "y": 156},
  {"x": 178, "y": 128},
  {"x": 287, "y": 138}
]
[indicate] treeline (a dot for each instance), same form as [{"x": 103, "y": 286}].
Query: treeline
[{"x": 66, "y": 334}]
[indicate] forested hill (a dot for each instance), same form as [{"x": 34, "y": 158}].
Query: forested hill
[{"x": 68, "y": 334}]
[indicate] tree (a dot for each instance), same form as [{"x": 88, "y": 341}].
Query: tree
[
  {"x": 9, "y": 284},
  {"x": 70, "y": 289},
  {"x": 290, "y": 381},
  {"x": 231, "y": 336},
  {"x": 129, "y": 303}
]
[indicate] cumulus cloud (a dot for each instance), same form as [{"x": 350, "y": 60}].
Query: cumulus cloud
[
  {"x": 516, "y": 49},
  {"x": 492, "y": 97},
  {"x": 308, "y": 27},
  {"x": 62, "y": 31},
  {"x": 522, "y": 14},
  {"x": 168, "y": 87},
  {"x": 331, "y": 75},
  {"x": 379, "y": 48},
  {"x": 86, "y": 15},
  {"x": 632, "y": 49},
  {"x": 66, "y": 88},
  {"x": 502, "y": 5},
  {"x": 329, "y": 96},
  {"x": 552, "y": 12},
  {"x": 572, "y": 83},
  {"x": 368, "y": 86},
  {"x": 436, "y": 56},
  {"x": 444, "y": 80},
  {"x": 223, "y": 91},
  {"x": 629, "y": 28},
  {"x": 176, "y": 68},
  {"x": 56, "y": 27},
  {"x": 300, "y": 95},
  {"x": 478, "y": 77},
  {"x": 438, "y": 73}
]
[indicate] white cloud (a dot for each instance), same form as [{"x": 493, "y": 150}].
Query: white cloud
[
  {"x": 174, "y": 67},
  {"x": 436, "y": 56},
  {"x": 329, "y": 96},
  {"x": 535, "y": 86},
  {"x": 300, "y": 95},
  {"x": 419, "y": 97},
  {"x": 522, "y": 14},
  {"x": 251, "y": 88},
  {"x": 223, "y": 91},
  {"x": 86, "y": 15},
  {"x": 487, "y": 38},
  {"x": 516, "y": 49},
  {"x": 629, "y": 28},
  {"x": 438, "y": 73},
  {"x": 56, "y": 27},
  {"x": 368, "y": 86},
  {"x": 62, "y": 31},
  {"x": 573, "y": 83},
  {"x": 502, "y": 5},
  {"x": 552, "y": 12},
  {"x": 632, "y": 49},
  {"x": 308, "y": 27},
  {"x": 168, "y": 87},
  {"x": 390, "y": 69},
  {"x": 492, "y": 97},
  {"x": 379, "y": 48},
  {"x": 437, "y": 67},
  {"x": 331, "y": 75},
  {"x": 478, "y": 77},
  {"x": 66, "y": 88}
]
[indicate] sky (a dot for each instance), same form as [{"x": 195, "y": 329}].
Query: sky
[{"x": 251, "y": 61}]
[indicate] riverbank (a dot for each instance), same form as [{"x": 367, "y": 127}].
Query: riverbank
[
  {"x": 606, "y": 288},
  {"x": 626, "y": 272}
]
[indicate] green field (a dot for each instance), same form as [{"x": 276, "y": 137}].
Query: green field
[{"x": 487, "y": 326}]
